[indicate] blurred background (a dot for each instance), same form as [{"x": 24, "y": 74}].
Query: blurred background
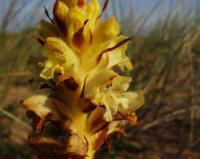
[{"x": 166, "y": 57}]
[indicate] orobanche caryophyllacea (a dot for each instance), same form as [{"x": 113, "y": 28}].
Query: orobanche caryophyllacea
[{"x": 86, "y": 98}]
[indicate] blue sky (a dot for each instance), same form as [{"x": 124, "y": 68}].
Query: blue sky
[{"x": 136, "y": 9}]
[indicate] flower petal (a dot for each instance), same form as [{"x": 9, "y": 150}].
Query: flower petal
[
  {"x": 39, "y": 104},
  {"x": 96, "y": 79},
  {"x": 106, "y": 88},
  {"x": 136, "y": 99},
  {"x": 77, "y": 147},
  {"x": 106, "y": 30},
  {"x": 93, "y": 10},
  {"x": 60, "y": 11},
  {"x": 96, "y": 121},
  {"x": 43, "y": 105},
  {"x": 60, "y": 58},
  {"x": 117, "y": 56}
]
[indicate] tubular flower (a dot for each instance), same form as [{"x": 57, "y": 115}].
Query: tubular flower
[{"x": 87, "y": 99}]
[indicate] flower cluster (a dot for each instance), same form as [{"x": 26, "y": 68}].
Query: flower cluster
[{"x": 88, "y": 100}]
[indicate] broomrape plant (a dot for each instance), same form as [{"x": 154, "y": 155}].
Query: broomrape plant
[{"x": 87, "y": 99}]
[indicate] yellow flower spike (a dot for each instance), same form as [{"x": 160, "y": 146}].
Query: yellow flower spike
[{"x": 86, "y": 98}]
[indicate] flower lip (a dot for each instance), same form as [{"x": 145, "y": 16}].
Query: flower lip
[{"x": 113, "y": 48}]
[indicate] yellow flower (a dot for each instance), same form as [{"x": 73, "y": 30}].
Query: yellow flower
[
  {"x": 87, "y": 99},
  {"x": 106, "y": 88}
]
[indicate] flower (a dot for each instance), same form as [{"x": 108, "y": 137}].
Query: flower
[
  {"x": 87, "y": 99},
  {"x": 108, "y": 89}
]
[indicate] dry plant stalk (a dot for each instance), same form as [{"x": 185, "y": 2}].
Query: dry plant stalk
[{"x": 87, "y": 99}]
